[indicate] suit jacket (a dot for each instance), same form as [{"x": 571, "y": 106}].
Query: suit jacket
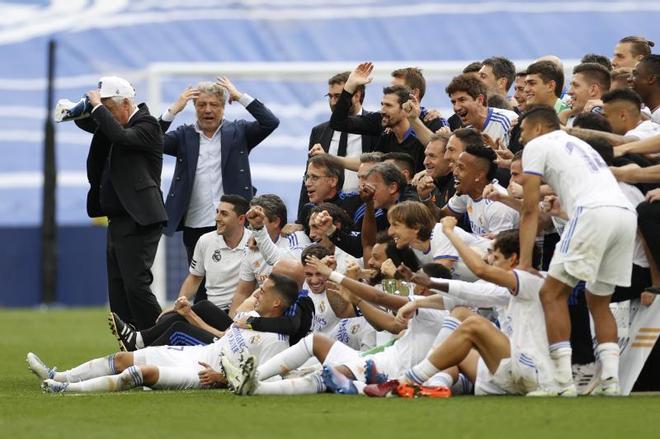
[
  {"x": 237, "y": 139},
  {"x": 135, "y": 154},
  {"x": 322, "y": 134}
]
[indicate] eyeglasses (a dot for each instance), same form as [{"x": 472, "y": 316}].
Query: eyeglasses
[
  {"x": 332, "y": 95},
  {"x": 313, "y": 178}
]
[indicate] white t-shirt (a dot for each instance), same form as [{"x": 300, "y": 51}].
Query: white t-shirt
[
  {"x": 645, "y": 129},
  {"x": 574, "y": 170},
  {"x": 220, "y": 264},
  {"x": 486, "y": 216},
  {"x": 498, "y": 124},
  {"x": 255, "y": 267}
]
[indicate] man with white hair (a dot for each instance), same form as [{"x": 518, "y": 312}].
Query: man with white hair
[{"x": 123, "y": 168}]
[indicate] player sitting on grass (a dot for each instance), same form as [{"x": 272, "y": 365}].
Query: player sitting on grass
[
  {"x": 513, "y": 360},
  {"x": 177, "y": 367},
  {"x": 352, "y": 370}
]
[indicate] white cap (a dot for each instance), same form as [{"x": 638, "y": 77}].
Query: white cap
[{"x": 110, "y": 86}]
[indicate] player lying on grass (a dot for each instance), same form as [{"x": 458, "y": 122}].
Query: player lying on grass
[
  {"x": 513, "y": 360},
  {"x": 351, "y": 370},
  {"x": 177, "y": 367}
]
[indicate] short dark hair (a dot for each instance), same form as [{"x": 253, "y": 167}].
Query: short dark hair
[
  {"x": 403, "y": 160},
  {"x": 286, "y": 287},
  {"x": 413, "y": 78},
  {"x": 623, "y": 94},
  {"x": 548, "y": 71},
  {"x": 473, "y": 67},
  {"x": 241, "y": 205},
  {"x": 599, "y": 59},
  {"x": 314, "y": 250},
  {"x": 621, "y": 74},
  {"x": 499, "y": 101},
  {"x": 502, "y": 68},
  {"x": 468, "y": 84},
  {"x": 652, "y": 63},
  {"x": 402, "y": 93},
  {"x": 517, "y": 156},
  {"x": 341, "y": 78},
  {"x": 338, "y": 215},
  {"x": 487, "y": 156},
  {"x": 595, "y": 72},
  {"x": 507, "y": 242},
  {"x": 273, "y": 207},
  {"x": 333, "y": 168},
  {"x": 603, "y": 148},
  {"x": 436, "y": 270},
  {"x": 592, "y": 121},
  {"x": 639, "y": 45},
  {"x": 390, "y": 174},
  {"x": 521, "y": 73},
  {"x": 541, "y": 114},
  {"x": 468, "y": 136}
]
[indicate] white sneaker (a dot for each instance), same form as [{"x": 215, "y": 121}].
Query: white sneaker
[
  {"x": 586, "y": 377},
  {"x": 609, "y": 387},
  {"x": 38, "y": 367},
  {"x": 567, "y": 391},
  {"x": 52, "y": 386},
  {"x": 240, "y": 378}
]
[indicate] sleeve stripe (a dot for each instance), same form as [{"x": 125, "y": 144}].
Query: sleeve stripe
[{"x": 533, "y": 173}]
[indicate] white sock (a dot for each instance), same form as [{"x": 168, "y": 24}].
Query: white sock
[
  {"x": 176, "y": 378},
  {"x": 448, "y": 326},
  {"x": 289, "y": 359},
  {"x": 139, "y": 342},
  {"x": 421, "y": 372},
  {"x": 359, "y": 385},
  {"x": 129, "y": 378},
  {"x": 561, "y": 353},
  {"x": 608, "y": 355},
  {"x": 440, "y": 379},
  {"x": 92, "y": 369},
  {"x": 312, "y": 383}
]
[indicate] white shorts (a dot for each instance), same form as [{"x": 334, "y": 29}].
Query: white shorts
[
  {"x": 512, "y": 377},
  {"x": 178, "y": 365},
  {"x": 597, "y": 246}
]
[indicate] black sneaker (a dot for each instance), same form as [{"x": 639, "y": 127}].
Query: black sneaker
[{"x": 125, "y": 333}]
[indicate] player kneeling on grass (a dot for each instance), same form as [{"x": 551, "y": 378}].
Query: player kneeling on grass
[
  {"x": 178, "y": 367},
  {"x": 513, "y": 360}
]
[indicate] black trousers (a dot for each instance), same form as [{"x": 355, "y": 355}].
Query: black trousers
[
  {"x": 173, "y": 329},
  {"x": 130, "y": 253},
  {"x": 190, "y": 238},
  {"x": 648, "y": 223}
]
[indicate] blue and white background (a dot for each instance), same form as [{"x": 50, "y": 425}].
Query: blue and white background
[{"x": 99, "y": 37}]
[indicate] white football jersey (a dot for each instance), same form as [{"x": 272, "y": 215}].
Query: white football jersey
[
  {"x": 325, "y": 318},
  {"x": 354, "y": 332},
  {"x": 574, "y": 170},
  {"x": 498, "y": 124},
  {"x": 486, "y": 216},
  {"x": 644, "y": 130}
]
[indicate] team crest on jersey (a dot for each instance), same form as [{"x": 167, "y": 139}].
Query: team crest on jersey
[
  {"x": 257, "y": 264},
  {"x": 355, "y": 329},
  {"x": 216, "y": 256},
  {"x": 255, "y": 339},
  {"x": 322, "y": 306}
]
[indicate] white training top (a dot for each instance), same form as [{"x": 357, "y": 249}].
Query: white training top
[
  {"x": 486, "y": 216},
  {"x": 498, "y": 124},
  {"x": 220, "y": 264},
  {"x": 574, "y": 170},
  {"x": 255, "y": 267}
]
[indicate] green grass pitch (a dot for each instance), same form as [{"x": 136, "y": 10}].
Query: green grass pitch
[{"x": 67, "y": 337}]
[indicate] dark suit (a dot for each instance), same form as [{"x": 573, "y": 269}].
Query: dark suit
[
  {"x": 123, "y": 168},
  {"x": 237, "y": 139},
  {"x": 322, "y": 134}
]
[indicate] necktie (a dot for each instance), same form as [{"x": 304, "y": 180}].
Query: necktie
[{"x": 343, "y": 144}]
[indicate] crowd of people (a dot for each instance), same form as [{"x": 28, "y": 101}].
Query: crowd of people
[{"x": 430, "y": 256}]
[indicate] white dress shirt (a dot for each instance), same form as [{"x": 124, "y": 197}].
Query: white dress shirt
[{"x": 353, "y": 149}]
